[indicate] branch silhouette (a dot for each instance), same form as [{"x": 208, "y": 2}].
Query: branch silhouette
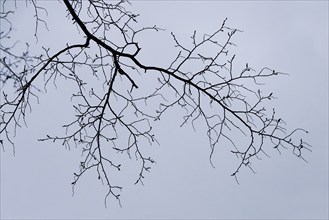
[{"x": 116, "y": 119}]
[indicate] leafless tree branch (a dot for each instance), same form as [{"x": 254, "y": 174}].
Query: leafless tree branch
[{"x": 106, "y": 118}]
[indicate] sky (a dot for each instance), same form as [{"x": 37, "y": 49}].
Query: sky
[{"x": 289, "y": 36}]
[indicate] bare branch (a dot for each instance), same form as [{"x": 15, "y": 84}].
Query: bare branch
[{"x": 114, "y": 119}]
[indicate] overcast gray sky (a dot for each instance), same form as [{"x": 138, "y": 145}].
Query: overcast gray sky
[{"x": 287, "y": 36}]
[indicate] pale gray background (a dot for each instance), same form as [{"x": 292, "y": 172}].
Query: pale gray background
[{"x": 287, "y": 36}]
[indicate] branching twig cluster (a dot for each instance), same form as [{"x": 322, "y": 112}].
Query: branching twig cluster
[{"x": 116, "y": 117}]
